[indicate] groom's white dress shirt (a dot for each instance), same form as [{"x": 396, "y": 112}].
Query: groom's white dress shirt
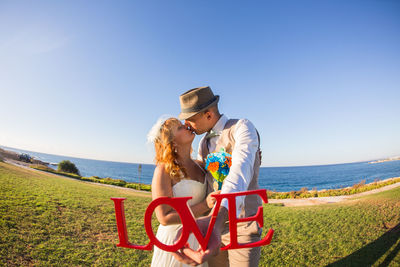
[{"x": 243, "y": 157}]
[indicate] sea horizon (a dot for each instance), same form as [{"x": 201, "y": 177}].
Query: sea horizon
[
  {"x": 105, "y": 160},
  {"x": 280, "y": 179}
]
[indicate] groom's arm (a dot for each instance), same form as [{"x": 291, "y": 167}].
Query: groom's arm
[
  {"x": 238, "y": 180},
  {"x": 243, "y": 157}
]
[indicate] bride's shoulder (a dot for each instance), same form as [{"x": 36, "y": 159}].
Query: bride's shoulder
[
  {"x": 160, "y": 176},
  {"x": 160, "y": 170}
]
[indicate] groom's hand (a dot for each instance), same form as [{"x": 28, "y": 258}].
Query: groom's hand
[
  {"x": 189, "y": 256},
  {"x": 179, "y": 255},
  {"x": 195, "y": 257},
  {"x": 214, "y": 243},
  {"x": 210, "y": 200},
  {"x": 212, "y": 250}
]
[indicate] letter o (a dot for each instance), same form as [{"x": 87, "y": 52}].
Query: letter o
[{"x": 180, "y": 205}]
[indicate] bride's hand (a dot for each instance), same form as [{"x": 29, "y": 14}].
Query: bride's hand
[{"x": 210, "y": 200}]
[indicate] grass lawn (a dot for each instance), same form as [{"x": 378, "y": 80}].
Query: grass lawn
[{"x": 50, "y": 220}]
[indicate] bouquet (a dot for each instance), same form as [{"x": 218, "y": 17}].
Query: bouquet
[{"x": 218, "y": 164}]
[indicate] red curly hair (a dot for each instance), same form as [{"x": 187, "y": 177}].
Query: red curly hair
[{"x": 165, "y": 151}]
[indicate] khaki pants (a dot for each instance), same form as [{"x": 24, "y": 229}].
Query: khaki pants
[{"x": 248, "y": 232}]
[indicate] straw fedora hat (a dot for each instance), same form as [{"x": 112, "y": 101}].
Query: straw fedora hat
[{"x": 196, "y": 100}]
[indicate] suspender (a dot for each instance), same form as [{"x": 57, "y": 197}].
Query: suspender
[{"x": 206, "y": 142}]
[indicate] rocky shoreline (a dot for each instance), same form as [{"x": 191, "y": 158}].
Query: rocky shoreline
[{"x": 23, "y": 159}]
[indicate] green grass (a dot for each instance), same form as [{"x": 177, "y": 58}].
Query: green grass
[
  {"x": 337, "y": 234},
  {"x": 49, "y": 220}
]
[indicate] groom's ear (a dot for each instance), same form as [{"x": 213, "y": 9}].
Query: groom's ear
[
  {"x": 208, "y": 114},
  {"x": 211, "y": 112}
]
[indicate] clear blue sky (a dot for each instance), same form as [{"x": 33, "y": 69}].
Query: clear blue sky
[{"x": 319, "y": 79}]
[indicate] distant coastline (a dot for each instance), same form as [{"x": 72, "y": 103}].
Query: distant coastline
[
  {"x": 275, "y": 179},
  {"x": 384, "y": 160},
  {"x": 15, "y": 159}
]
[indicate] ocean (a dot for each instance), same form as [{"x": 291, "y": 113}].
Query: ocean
[{"x": 280, "y": 179}]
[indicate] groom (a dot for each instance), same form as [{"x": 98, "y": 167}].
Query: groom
[{"x": 199, "y": 109}]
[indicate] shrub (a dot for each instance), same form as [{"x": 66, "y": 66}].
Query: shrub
[
  {"x": 360, "y": 184},
  {"x": 145, "y": 187},
  {"x": 42, "y": 168},
  {"x": 25, "y": 158},
  {"x": 68, "y": 174},
  {"x": 112, "y": 181},
  {"x": 304, "y": 190},
  {"x": 68, "y": 167},
  {"x": 305, "y": 194},
  {"x": 132, "y": 185},
  {"x": 90, "y": 179}
]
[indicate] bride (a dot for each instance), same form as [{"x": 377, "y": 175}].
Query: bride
[{"x": 176, "y": 175}]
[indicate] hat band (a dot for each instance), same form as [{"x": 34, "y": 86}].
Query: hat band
[{"x": 198, "y": 108}]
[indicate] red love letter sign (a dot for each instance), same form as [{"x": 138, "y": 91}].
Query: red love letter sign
[
  {"x": 182, "y": 208},
  {"x": 189, "y": 224},
  {"x": 179, "y": 204},
  {"x": 121, "y": 226},
  {"x": 233, "y": 220}
]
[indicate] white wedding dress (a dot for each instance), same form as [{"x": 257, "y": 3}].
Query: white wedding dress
[{"x": 167, "y": 234}]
